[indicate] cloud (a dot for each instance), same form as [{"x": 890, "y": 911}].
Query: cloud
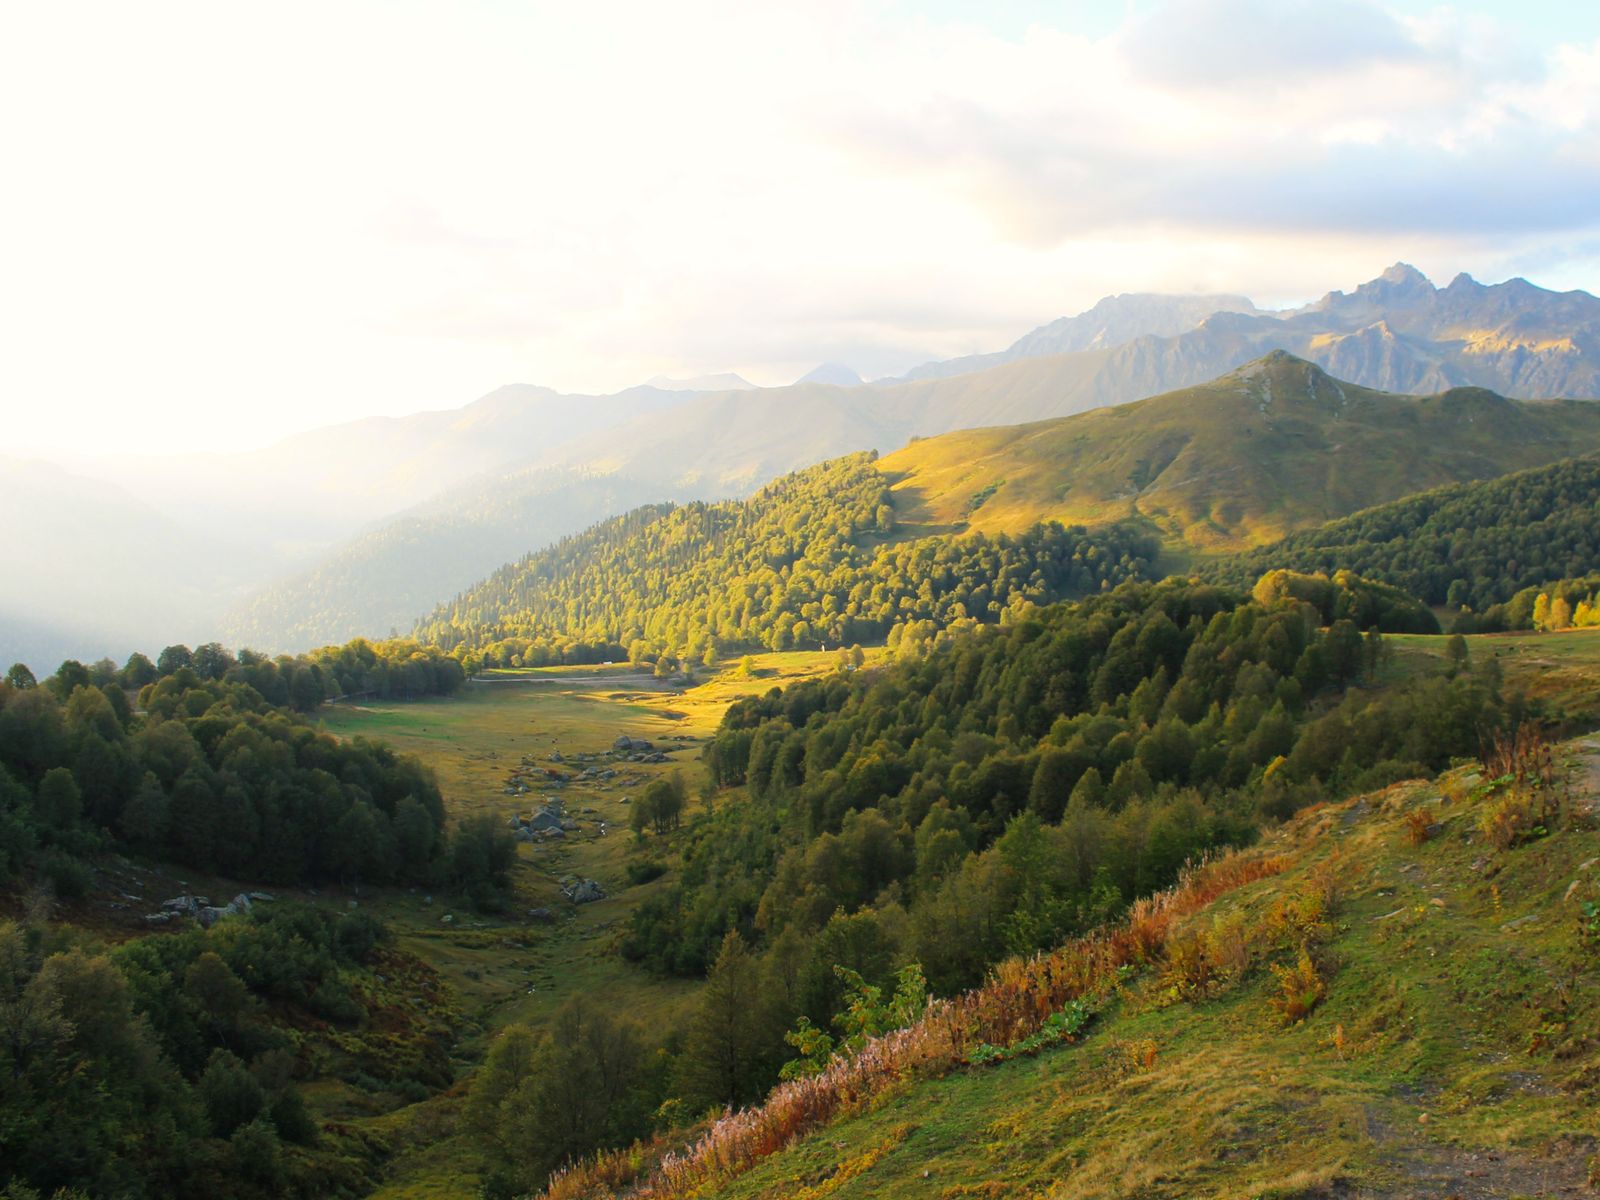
[
  {"x": 235, "y": 222},
  {"x": 1234, "y": 43}
]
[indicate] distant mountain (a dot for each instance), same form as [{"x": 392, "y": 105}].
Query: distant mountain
[
  {"x": 1111, "y": 322},
  {"x": 325, "y": 484},
  {"x": 1275, "y": 446},
  {"x": 149, "y": 550},
  {"x": 834, "y": 373},
  {"x": 380, "y": 580},
  {"x": 93, "y": 571},
  {"x": 1397, "y": 333},
  {"x": 726, "y": 382}
]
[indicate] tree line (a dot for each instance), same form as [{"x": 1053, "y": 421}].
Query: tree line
[
  {"x": 210, "y": 772},
  {"x": 398, "y": 668}
]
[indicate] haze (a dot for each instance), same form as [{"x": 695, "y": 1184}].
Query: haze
[{"x": 227, "y": 222}]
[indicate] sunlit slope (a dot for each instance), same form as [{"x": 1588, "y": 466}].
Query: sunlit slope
[
  {"x": 1275, "y": 446},
  {"x": 1447, "y": 1050}
]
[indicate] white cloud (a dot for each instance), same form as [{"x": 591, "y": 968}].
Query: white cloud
[{"x": 233, "y": 221}]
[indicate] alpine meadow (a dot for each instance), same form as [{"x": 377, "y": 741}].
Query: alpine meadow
[{"x": 851, "y": 602}]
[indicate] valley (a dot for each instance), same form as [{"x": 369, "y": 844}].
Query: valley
[
  {"x": 514, "y": 968},
  {"x": 872, "y": 601}
]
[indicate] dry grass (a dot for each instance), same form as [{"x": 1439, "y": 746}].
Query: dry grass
[{"x": 1021, "y": 995}]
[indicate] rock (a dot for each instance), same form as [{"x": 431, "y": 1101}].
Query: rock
[
  {"x": 1572, "y": 889},
  {"x": 542, "y": 915},
  {"x": 447, "y": 919},
  {"x": 1513, "y": 926},
  {"x": 353, "y": 905},
  {"x": 158, "y": 918},
  {"x": 1436, "y": 902},
  {"x": 268, "y": 897},
  {"x": 623, "y": 743},
  {"x": 570, "y": 826},
  {"x": 586, "y": 891}
]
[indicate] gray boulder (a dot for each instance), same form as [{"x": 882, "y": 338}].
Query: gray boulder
[{"x": 585, "y": 891}]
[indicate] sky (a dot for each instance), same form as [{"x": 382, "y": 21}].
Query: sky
[{"x": 225, "y": 222}]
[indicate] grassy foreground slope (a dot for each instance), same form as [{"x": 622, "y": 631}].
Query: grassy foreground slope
[
  {"x": 1276, "y": 446},
  {"x": 1448, "y": 1048}
]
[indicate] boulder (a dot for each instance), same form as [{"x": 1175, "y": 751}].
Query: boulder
[
  {"x": 542, "y": 916},
  {"x": 586, "y": 891}
]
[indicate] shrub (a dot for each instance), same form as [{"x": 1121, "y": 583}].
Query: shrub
[
  {"x": 1300, "y": 988},
  {"x": 1419, "y": 826},
  {"x": 68, "y": 876},
  {"x": 1521, "y": 814},
  {"x": 644, "y": 871}
]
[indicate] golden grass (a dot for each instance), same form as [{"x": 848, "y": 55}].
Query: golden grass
[{"x": 1021, "y": 995}]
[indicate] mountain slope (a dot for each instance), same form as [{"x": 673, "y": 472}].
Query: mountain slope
[
  {"x": 809, "y": 560},
  {"x": 1111, "y": 322},
  {"x": 93, "y": 571},
  {"x": 1275, "y": 446},
  {"x": 1390, "y": 997},
  {"x": 1472, "y": 544},
  {"x": 379, "y": 580},
  {"x": 1446, "y": 1053}
]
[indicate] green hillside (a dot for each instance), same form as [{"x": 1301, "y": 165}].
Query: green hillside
[
  {"x": 1393, "y": 996},
  {"x": 1271, "y": 448},
  {"x": 815, "y": 558},
  {"x": 1474, "y": 544}
]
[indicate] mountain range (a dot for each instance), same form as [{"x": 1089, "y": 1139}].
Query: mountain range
[{"x": 303, "y": 542}]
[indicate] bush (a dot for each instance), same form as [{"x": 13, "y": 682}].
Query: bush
[
  {"x": 1300, "y": 988},
  {"x": 68, "y": 877},
  {"x": 644, "y": 871}
]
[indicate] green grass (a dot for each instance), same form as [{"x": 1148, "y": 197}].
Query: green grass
[
  {"x": 1559, "y": 670},
  {"x": 1453, "y": 1052}
]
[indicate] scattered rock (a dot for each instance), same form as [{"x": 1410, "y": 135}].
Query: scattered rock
[
  {"x": 542, "y": 915},
  {"x": 1513, "y": 926}
]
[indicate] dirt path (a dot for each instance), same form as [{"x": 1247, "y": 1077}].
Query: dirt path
[{"x": 1425, "y": 1170}]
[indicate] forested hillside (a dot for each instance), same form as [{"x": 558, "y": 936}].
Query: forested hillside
[
  {"x": 1274, "y": 447},
  {"x": 1471, "y": 544},
  {"x": 812, "y": 559}
]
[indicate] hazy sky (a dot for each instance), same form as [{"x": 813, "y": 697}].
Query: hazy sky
[{"x": 222, "y": 222}]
